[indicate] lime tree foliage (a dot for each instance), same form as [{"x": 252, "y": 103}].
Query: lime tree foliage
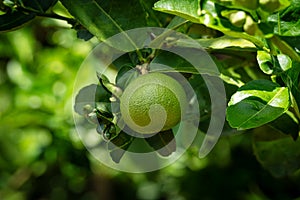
[{"x": 255, "y": 44}]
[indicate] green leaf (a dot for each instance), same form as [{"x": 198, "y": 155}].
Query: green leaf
[
  {"x": 91, "y": 15},
  {"x": 118, "y": 145},
  {"x": 189, "y": 9},
  {"x": 286, "y": 22},
  {"x": 227, "y": 42},
  {"x": 39, "y": 6},
  {"x": 257, "y": 103},
  {"x": 169, "y": 62},
  {"x": 273, "y": 64},
  {"x": 176, "y": 22},
  {"x": 293, "y": 42},
  {"x": 203, "y": 98},
  {"x": 284, "y": 121},
  {"x": 276, "y": 152},
  {"x": 284, "y": 62},
  {"x": 163, "y": 142},
  {"x": 16, "y": 18},
  {"x": 84, "y": 34},
  {"x": 220, "y": 43},
  {"x": 104, "y": 112},
  {"x": 264, "y": 60},
  {"x": 292, "y": 79},
  {"x": 285, "y": 48},
  {"x": 12, "y": 21},
  {"x": 205, "y": 13},
  {"x": 107, "y": 18},
  {"x": 89, "y": 95},
  {"x": 110, "y": 87},
  {"x": 125, "y": 75}
]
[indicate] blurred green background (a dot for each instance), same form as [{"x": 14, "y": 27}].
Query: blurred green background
[{"x": 41, "y": 156}]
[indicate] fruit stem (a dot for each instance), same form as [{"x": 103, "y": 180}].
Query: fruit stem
[{"x": 143, "y": 69}]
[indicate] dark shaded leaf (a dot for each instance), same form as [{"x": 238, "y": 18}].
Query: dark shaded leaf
[
  {"x": 39, "y": 6},
  {"x": 163, "y": 142},
  {"x": 125, "y": 75},
  {"x": 104, "y": 112},
  {"x": 293, "y": 42},
  {"x": 204, "y": 101},
  {"x": 276, "y": 152},
  {"x": 167, "y": 61},
  {"x": 89, "y": 95},
  {"x": 84, "y": 34},
  {"x": 12, "y": 21},
  {"x": 292, "y": 80},
  {"x": 18, "y": 17},
  {"x": 284, "y": 121},
  {"x": 118, "y": 145}
]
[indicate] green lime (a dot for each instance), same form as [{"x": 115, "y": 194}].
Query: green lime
[{"x": 152, "y": 103}]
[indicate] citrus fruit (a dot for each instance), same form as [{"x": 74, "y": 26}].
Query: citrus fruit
[
  {"x": 238, "y": 18},
  {"x": 152, "y": 103},
  {"x": 250, "y": 26}
]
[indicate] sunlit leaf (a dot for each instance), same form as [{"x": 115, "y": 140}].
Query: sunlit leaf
[
  {"x": 257, "y": 103},
  {"x": 189, "y": 9},
  {"x": 192, "y": 10},
  {"x": 285, "y": 63},
  {"x": 227, "y": 42},
  {"x": 265, "y": 62},
  {"x": 273, "y": 64},
  {"x": 107, "y": 18}
]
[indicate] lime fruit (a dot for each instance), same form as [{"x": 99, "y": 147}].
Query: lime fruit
[{"x": 152, "y": 103}]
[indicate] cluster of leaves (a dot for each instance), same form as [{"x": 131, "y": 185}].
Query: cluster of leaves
[
  {"x": 266, "y": 70},
  {"x": 15, "y": 13},
  {"x": 255, "y": 45}
]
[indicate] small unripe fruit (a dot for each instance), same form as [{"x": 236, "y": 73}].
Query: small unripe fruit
[
  {"x": 152, "y": 103},
  {"x": 250, "y": 26},
  {"x": 238, "y": 18}
]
